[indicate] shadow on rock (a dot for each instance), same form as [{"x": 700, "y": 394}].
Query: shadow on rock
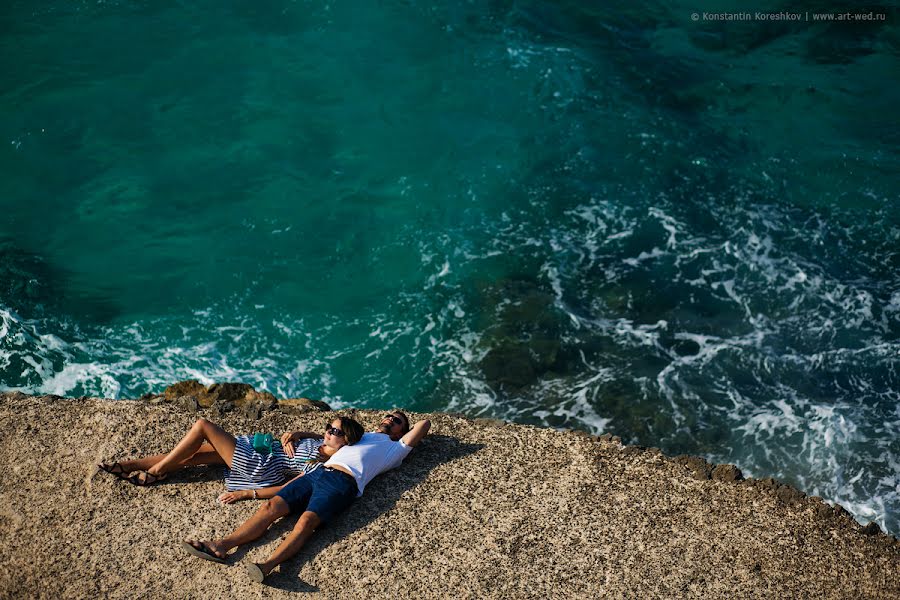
[{"x": 195, "y": 474}]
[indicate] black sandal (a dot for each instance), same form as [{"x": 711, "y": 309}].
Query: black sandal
[
  {"x": 115, "y": 469},
  {"x": 201, "y": 550},
  {"x": 144, "y": 478}
]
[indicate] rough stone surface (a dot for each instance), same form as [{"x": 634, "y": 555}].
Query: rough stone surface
[
  {"x": 229, "y": 391},
  {"x": 224, "y": 396},
  {"x": 701, "y": 469},
  {"x": 871, "y": 528},
  {"x": 252, "y": 410},
  {"x": 191, "y": 387},
  {"x": 727, "y": 473},
  {"x": 477, "y": 511},
  {"x": 301, "y": 405},
  {"x": 187, "y": 403},
  {"x": 220, "y": 408}
]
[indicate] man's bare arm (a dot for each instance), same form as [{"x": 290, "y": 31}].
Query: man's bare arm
[{"x": 415, "y": 435}]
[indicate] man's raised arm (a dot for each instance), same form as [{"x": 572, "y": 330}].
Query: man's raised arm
[{"x": 415, "y": 435}]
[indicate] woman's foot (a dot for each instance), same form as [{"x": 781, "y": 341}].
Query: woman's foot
[
  {"x": 115, "y": 468},
  {"x": 143, "y": 478},
  {"x": 205, "y": 550}
]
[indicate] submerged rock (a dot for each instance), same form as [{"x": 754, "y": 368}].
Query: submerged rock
[
  {"x": 523, "y": 334},
  {"x": 509, "y": 364}
]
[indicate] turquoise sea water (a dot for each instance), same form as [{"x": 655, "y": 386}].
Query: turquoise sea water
[{"x": 608, "y": 217}]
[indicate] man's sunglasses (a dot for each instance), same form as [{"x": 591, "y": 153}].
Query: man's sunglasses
[
  {"x": 394, "y": 419},
  {"x": 333, "y": 430}
]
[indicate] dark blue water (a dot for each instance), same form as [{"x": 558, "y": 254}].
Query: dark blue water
[{"x": 612, "y": 218}]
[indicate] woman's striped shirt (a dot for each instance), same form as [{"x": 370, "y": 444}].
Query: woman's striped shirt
[{"x": 251, "y": 470}]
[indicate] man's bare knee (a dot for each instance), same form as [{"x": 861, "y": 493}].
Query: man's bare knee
[
  {"x": 308, "y": 521},
  {"x": 274, "y": 509}
]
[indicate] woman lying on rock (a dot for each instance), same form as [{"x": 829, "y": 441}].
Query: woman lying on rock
[{"x": 251, "y": 473}]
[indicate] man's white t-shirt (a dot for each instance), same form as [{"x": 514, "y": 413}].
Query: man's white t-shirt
[{"x": 371, "y": 456}]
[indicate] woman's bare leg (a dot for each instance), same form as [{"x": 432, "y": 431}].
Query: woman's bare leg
[
  {"x": 221, "y": 441},
  {"x": 206, "y": 455}
]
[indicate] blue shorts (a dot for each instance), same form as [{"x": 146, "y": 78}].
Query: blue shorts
[{"x": 324, "y": 491}]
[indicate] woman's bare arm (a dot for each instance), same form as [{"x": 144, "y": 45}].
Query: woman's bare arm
[
  {"x": 261, "y": 494},
  {"x": 288, "y": 437}
]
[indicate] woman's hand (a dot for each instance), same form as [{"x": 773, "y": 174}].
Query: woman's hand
[
  {"x": 230, "y": 497},
  {"x": 286, "y": 438}
]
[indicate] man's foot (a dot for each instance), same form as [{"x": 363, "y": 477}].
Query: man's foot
[
  {"x": 255, "y": 573},
  {"x": 143, "y": 478},
  {"x": 204, "y": 550}
]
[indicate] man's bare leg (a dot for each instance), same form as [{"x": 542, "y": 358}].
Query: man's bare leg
[
  {"x": 251, "y": 529},
  {"x": 291, "y": 545}
]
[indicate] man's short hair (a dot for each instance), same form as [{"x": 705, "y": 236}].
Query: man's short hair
[{"x": 405, "y": 420}]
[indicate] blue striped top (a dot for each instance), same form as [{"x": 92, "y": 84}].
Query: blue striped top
[{"x": 251, "y": 470}]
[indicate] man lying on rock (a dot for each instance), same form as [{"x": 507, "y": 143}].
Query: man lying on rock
[{"x": 321, "y": 494}]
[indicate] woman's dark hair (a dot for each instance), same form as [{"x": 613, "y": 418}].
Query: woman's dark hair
[{"x": 353, "y": 431}]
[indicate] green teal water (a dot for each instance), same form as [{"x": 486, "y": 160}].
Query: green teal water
[{"x": 605, "y": 217}]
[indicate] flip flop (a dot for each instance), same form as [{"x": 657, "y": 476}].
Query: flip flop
[
  {"x": 254, "y": 572},
  {"x": 204, "y": 552},
  {"x": 143, "y": 478},
  {"x": 114, "y": 469}
]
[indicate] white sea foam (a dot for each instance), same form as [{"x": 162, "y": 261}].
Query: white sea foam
[
  {"x": 85, "y": 375},
  {"x": 825, "y": 445},
  {"x": 793, "y": 368},
  {"x": 5, "y": 318}
]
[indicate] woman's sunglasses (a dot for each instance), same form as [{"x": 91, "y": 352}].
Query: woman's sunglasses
[{"x": 333, "y": 430}]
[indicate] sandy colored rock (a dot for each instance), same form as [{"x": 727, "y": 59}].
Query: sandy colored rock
[
  {"x": 477, "y": 511},
  {"x": 727, "y": 473},
  {"x": 224, "y": 396},
  {"x": 301, "y": 405},
  {"x": 191, "y": 387}
]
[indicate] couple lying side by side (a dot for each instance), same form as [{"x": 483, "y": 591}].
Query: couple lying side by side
[{"x": 328, "y": 472}]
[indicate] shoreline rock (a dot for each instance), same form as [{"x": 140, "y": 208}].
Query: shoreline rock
[
  {"x": 484, "y": 508},
  {"x": 225, "y": 397}
]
